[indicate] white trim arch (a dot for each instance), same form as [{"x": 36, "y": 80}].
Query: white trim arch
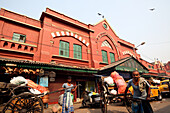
[
  {"x": 106, "y": 44},
  {"x": 102, "y": 34},
  {"x": 66, "y": 33}
]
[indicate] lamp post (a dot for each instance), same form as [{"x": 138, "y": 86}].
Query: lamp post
[{"x": 137, "y": 47}]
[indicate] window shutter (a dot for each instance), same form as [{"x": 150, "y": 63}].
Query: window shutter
[
  {"x": 67, "y": 49},
  {"x": 64, "y": 49},
  {"x": 19, "y": 37},
  {"x": 104, "y": 56},
  {"x": 16, "y": 37},
  {"x": 77, "y": 51},
  {"x": 112, "y": 57}
]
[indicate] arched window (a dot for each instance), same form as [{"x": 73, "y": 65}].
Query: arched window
[
  {"x": 107, "y": 44},
  {"x": 104, "y": 56}
]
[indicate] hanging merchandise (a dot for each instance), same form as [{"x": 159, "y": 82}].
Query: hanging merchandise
[
  {"x": 41, "y": 73},
  {"x": 52, "y": 74}
]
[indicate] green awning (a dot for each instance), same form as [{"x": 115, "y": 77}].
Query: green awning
[
  {"x": 16, "y": 63},
  {"x": 128, "y": 64},
  {"x": 130, "y": 69},
  {"x": 58, "y": 68}
]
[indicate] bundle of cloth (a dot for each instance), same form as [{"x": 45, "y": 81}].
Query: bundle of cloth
[
  {"x": 35, "y": 88},
  {"x": 119, "y": 81}
]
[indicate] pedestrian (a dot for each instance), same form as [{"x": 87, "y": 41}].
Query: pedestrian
[
  {"x": 141, "y": 95},
  {"x": 67, "y": 105}
]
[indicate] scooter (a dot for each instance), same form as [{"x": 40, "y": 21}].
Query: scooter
[{"x": 90, "y": 99}]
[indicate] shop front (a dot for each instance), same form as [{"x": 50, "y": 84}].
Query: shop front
[
  {"x": 124, "y": 67},
  {"x": 51, "y": 76}
]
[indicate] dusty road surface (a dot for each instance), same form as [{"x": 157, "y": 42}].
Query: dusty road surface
[{"x": 158, "y": 107}]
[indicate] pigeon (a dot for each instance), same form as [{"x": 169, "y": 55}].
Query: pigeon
[
  {"x": 152, "y": 9},
  {"x": 99, "y": 14}
]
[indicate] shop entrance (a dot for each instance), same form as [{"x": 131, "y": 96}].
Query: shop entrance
[{"x": 81, "y": 89}]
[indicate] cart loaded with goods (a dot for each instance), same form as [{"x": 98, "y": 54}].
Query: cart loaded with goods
[
  {"x": 23, "y": 96},
  {"x": 112, "y": 88}
]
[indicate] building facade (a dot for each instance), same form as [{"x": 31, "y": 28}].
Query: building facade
[{"x": 76, "y": 48}]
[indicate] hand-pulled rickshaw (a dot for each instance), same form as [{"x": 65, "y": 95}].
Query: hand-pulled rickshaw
[
  {"x": 105, "y": 95},
  {"x": 19, "y": 99}
]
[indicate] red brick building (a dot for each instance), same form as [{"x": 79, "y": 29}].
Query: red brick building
[
  {"x": 75, "y": 48},
  {"x": 167, "y": 67}
]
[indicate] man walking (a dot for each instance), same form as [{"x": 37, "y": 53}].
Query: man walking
[{"x": 141, "y": 88}]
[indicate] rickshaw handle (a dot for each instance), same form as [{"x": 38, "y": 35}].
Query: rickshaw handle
[{"x": 47, "y": 93}]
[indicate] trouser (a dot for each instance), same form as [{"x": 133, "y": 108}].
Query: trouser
[{"x": 141, "y": 106}]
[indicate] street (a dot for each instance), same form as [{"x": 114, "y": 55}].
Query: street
[{"x": 158, "y": 107}]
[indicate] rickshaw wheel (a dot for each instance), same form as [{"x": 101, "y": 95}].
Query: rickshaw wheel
[
  {"x": 128, "y": 104},
  {"x": 103, "y": 102},
  {"x": 24, "y": 103}
]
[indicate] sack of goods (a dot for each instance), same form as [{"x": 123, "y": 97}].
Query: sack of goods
[
  {"x": 109, "y": 80},
  {"x": 114, "y": 92},
  {"x": 120, "y": 82},
  {"x": 60, "y": 99}
]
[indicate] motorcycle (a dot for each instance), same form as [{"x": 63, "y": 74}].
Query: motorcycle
[{"x": 90, "y": 99}]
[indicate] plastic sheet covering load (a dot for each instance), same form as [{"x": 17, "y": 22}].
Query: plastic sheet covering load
[
  {"x": 109, "y": 80},
  {"x": 36, "y": 89},
  {"x": 36, "y": 86},
  {"x": 120, "y": 82},
  {"x": 19, "y": 81},
  {"x": 32, "y": 84}
]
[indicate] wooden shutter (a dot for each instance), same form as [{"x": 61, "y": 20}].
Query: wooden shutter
[
  {"x": 77, "y": 51},
  {"x": 112, "y": 57},
  {"x": 19, "y": 37},
  {"x": 104, "y": 56},
  {"x": 16, "y": 37},
  {"x": 64, "y": 49}
]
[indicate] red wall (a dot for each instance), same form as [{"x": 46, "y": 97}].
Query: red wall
[{"x": 39, "y": 34}]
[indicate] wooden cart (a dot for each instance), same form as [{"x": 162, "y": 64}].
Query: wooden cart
[
  {"x": 105, "y": 95},
  {"x": 19, "y": 99}
]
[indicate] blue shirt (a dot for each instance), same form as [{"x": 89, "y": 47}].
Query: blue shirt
[
  {"x": 137, "y": 93},
  {"x": 65, "y": 85}
]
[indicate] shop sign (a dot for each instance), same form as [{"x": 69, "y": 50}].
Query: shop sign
[{"x": 8, "y": 64}]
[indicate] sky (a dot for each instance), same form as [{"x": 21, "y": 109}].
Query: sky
[{"x": 131, "y": 20}]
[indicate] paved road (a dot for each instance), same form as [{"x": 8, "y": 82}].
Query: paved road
[{"x": 158, "y": 107}]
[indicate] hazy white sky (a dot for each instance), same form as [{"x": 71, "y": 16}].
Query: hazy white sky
[{"x": 130, "y": 19}]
